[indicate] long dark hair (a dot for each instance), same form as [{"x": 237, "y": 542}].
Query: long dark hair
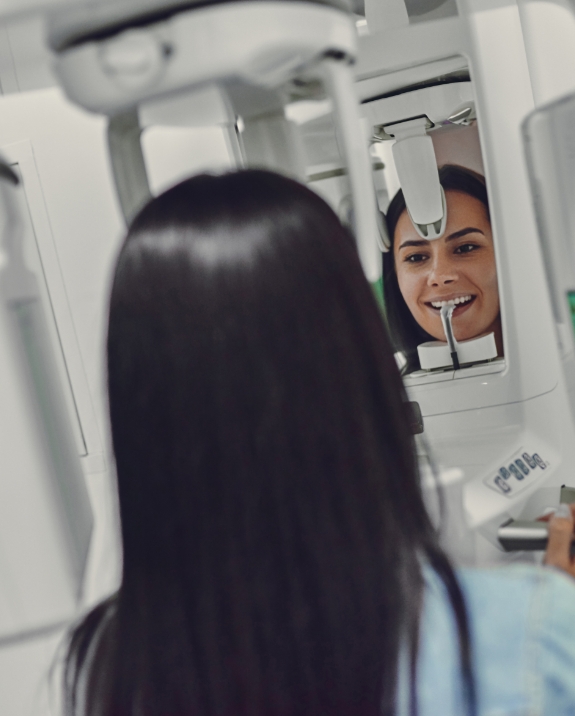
[
  {"x": 272, "y": 520},
  {"x": 405, "y": 331}
]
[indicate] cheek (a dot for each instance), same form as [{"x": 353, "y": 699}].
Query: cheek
[
  {"x": 485, "y": 278},
  {"x": 409, "y": 285}
]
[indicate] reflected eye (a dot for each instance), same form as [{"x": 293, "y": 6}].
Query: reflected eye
[
  {"x": 466, "y": 248},
  {"x": 415, "y": 258}
]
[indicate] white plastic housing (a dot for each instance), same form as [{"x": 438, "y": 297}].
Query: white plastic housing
[
  {"x": 262, "y": 43},
  {"x": 437, "y": 103},
  {"x": 549, "y": 33},
  {"x": 549, "y": 136},
  {"x": 339, "y": 79},
  {"x": 245, "y": 47},
  {"x": 436, "y": 354},
  {"x": 416, "y": 167},
  {"x": 45, "y": 515}
]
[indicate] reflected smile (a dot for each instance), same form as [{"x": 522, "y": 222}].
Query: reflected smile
[{"x": 461, "y": 303}]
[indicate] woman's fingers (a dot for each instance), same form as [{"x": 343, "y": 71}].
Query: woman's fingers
[
  {"x": 558, "y": 552},
  {"x": 550, "y": 511}
]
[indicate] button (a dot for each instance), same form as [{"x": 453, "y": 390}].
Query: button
[
  {"x": 504, "y": 472},
  {"x": 539, "y": 461},
  {"x": 529, "y": 460},
  {"x": 516, "y": 471},
  {"x": 522, "y": 466},
  {"x": 501, "y": 484}
]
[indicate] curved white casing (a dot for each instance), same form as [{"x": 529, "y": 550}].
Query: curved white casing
[
  {"x": 417, "y": 171},
  {"x": 247, "y": 44},
  {"x": 262, "y": 43},
  {"x": 406, "y": 117},
  {"x": 549, "y": 31},
  {"x": 437, "y": 103}
]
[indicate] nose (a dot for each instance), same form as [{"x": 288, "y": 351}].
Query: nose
[{"x": 442, "y": 272}]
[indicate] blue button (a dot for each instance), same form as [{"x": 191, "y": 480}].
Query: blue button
[
  {"x": 539, "y": 461},
  {"x": 504, "y": 472},
  {"x": 501, "y": 484},
  {"x": 516, "y": 471},
  {"x": 522, "y": 466}
]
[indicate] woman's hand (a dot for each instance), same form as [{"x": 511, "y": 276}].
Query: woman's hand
[{"x": 558, "y": 553}]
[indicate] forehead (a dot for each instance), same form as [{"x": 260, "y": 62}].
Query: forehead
[{"x": 463, "y": 210}]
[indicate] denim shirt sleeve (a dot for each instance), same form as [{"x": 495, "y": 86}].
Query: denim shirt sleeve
[
  {"x": 522, "y": 622},
  {"x": 555, "y": 660}
]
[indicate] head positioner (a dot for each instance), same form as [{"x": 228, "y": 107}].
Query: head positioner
[
  {"x": 417, "y": 171},
  {"x": 407, "y": 117}
]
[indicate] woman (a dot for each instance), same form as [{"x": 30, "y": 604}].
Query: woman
[
  {"x": 420, "y": 275},
  {"x": 278, "y": 559}
]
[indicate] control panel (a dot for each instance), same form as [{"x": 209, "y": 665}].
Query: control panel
[{"x": 519, "y": 472}]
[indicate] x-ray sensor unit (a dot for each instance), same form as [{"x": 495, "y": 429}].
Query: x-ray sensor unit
[
  {"x": 45, "y": 514},
  {"x": 255, "y": 55}
]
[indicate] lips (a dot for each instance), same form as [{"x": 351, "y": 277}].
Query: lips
[{"x": 461, "y": 303}]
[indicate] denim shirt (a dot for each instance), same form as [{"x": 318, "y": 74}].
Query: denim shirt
[{"x": 522, "y": 622}]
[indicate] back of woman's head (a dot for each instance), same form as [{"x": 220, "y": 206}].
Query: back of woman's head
[{"x": 270, "y": 508}]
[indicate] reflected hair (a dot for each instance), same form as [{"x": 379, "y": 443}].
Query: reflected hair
[
  {"x": 405, "y": 331},
  {"x": 272, "y": 520}
]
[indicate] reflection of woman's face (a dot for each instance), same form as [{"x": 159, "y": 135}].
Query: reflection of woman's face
[{"x": 460, "y": 265}]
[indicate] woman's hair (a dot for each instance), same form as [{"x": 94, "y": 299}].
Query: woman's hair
[
  {"x": 406, "y": 333},
  {"x": 272, "y": 520}
]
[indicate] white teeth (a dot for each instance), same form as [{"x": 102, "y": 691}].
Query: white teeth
[{"x": 452, "y": 302}]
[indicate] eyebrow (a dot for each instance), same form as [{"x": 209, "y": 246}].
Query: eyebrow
[{"x": 451, "y": 237}]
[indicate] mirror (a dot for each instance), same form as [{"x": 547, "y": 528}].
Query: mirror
[{"x": 455, "y": 272}]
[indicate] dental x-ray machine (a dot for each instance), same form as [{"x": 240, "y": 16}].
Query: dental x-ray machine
[
  {"x": 505, "y": 422},
  {"x": 250, "y": 67}
]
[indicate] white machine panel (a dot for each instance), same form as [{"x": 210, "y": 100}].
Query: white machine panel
[
  {"x": 550, "y": 147},
  {"x": 45, "y": 515}
]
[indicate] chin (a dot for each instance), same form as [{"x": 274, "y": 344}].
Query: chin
[
  {"x": 469, "y": 335},
  {"x": 434, "y": 335}
]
